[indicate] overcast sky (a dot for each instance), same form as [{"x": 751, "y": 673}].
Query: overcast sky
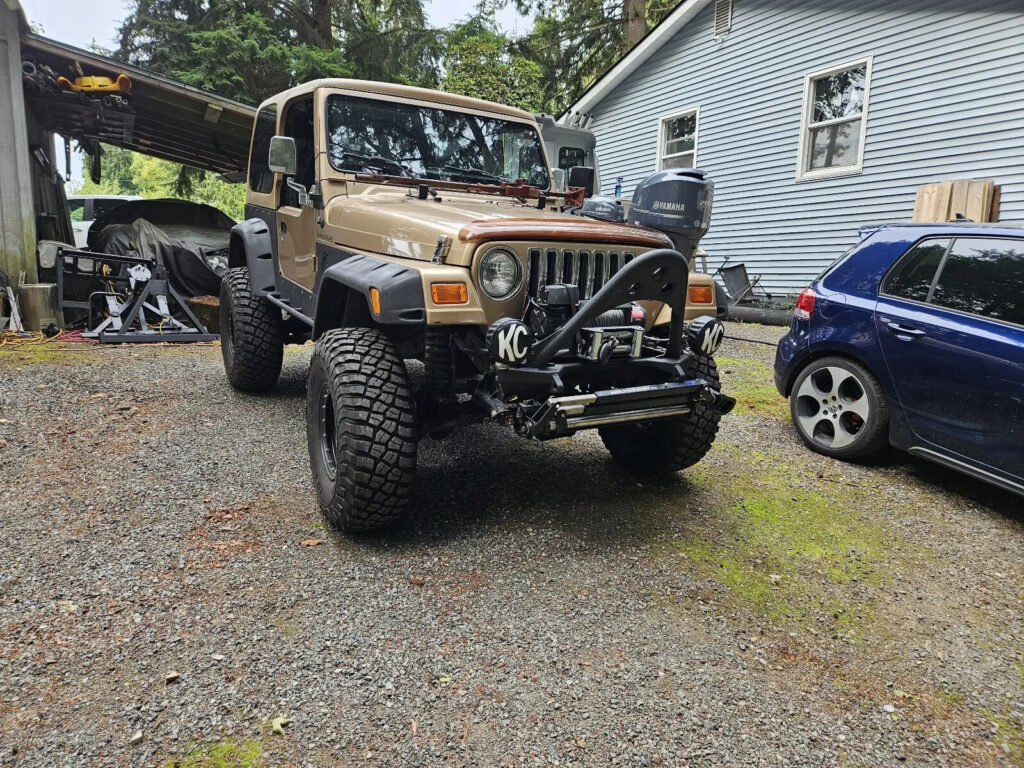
[{"x": 81, "y": 22}]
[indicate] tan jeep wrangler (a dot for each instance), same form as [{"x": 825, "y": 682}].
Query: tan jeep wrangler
[{"x": 390, "y": 223}]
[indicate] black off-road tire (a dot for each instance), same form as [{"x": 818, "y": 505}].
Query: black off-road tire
[
  {"x": 667, "y": 445},
  {"x": 252, "y": 335},
  {"x": 361, "y": 429}
]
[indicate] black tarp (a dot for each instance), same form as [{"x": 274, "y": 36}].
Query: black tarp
[{"x": 187, "y": 240}]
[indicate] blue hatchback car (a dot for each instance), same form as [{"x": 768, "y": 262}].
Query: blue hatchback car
[{"x": 915, "y": 338}]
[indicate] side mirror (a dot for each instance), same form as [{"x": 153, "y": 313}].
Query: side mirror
[
  {"x": 281, "y": 157},
  {"x": 582, "y": 176}
]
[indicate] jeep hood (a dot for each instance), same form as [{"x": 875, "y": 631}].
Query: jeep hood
[{"x": 386, "y": 220}]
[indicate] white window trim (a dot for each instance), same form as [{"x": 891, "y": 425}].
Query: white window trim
[
  {"x": 662, "y": 121},
  {"x": 802, "y": 161}
]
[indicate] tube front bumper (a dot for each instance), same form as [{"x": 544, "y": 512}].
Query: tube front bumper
[{"x": 563, "y": 415}]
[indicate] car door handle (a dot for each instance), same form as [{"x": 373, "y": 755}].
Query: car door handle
[{"x": 903, "y": 330}]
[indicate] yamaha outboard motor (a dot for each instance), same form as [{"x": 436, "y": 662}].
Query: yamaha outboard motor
[{"x": 676, "y": 202}]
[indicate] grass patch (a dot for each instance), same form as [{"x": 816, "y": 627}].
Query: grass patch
[
  {"x": 1011, "y": 733},
  {"x": 223, "y": 754},
  {"x": 789, "y": 553},
  {"x": 47, "y": 353},
  {"x": 752, "y": 383}
]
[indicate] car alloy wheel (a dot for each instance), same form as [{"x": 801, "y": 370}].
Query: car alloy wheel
[{"x": 832, "y": 407}]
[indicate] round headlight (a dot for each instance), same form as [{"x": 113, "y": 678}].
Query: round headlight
[{"x": 500, "y": 273}]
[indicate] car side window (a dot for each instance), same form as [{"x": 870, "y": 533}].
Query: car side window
[
  {"x": 77, "y": 210},
  {"x": 914, "y": 273},
  {"x": 298, "y": 123},
  {"x": 260, "y": 178},
  {"x": 983, "y": 276}
]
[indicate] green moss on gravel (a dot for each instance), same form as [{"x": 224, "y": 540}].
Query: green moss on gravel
[
  {"x": 752, "y": 383},
  {"x": 48, "y": 353},
  {"x": 790, "y": 553},
  {"x": 1011, "y": 733},
  {"x": 223, "y": 754}
]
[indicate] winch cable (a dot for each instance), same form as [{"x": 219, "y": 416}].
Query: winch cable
[{"x": 752, "y": 341}]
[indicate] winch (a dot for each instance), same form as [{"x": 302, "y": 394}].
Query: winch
[{"x": 616, "y": 332}]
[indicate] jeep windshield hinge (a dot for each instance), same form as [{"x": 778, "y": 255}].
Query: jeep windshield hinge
[{"x": 444, "y": 244}]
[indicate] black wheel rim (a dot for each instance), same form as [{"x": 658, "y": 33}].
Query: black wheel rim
[
  {"x": 325, "y": 415},
  {"x": 227, "y": 339}
]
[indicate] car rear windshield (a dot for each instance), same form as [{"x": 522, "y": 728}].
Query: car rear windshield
[{"x": 398, "y": 139}]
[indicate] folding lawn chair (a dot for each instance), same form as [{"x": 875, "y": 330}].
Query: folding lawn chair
[{"x": 739, "y": 285}]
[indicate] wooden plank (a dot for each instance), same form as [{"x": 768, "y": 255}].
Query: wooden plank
[
  {"x": 933, "y": 202},
  {"x": 940, "y": 205},
  {"x": 958, "y": 200},
  {"x": 979, "y": 195},
  {"x": 993, "y": 213},
  {"x": 922, "y": 201}
]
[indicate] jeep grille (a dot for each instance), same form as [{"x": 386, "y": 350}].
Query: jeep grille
[{"x": 589, "y": 269}]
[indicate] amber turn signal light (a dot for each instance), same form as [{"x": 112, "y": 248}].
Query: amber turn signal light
[
  {"x": 375, "y": 300},
  {"x": 449, "y": 293},
  {"x": 702, "y": 294}
]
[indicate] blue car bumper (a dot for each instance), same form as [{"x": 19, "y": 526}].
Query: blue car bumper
[{"x": 791, "y": 350}]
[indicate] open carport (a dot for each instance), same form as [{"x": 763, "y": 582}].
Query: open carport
[{"x": 157, "y": 116}]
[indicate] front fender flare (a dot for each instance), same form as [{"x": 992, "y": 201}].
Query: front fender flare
[{"x": 400, "y": 288}]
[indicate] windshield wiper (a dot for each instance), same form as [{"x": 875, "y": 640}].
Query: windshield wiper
[
  {"x": 478, "y": 173},
  {"x": 373, "y": 162}
]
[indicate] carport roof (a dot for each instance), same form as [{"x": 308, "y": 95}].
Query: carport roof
[{"x": 162, "y": 117}]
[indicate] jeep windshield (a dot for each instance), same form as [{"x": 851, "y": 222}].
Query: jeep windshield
[{"x": 420, "y": 142}]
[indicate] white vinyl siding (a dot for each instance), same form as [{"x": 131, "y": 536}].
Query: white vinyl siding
[
  {"x": 678, "y": 139},
  {"x": 943, "y": 105}
]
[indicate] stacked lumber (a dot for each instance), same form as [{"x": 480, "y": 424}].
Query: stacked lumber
[{"x": 977, "y": 200}]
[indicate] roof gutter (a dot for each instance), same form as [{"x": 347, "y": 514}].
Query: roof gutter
[{"x": 629, "y": 63}]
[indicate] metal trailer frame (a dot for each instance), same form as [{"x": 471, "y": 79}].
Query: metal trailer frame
[{"x": 124, "y": 315}]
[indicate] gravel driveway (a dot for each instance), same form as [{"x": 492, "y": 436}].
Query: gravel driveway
[{"x": 168, "y": 591}]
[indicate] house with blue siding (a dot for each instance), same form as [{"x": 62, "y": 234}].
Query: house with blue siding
[{"x": 815, "y": 117}]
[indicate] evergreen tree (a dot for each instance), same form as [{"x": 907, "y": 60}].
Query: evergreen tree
[
  {"x": 479, "y": 62},
  {"x": 576, "y": 41}
]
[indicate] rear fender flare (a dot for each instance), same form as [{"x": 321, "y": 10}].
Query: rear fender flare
[{"x": 252, "y": 247}]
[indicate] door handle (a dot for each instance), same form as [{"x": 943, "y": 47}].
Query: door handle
[
  {"x": 902, "y": 330},
  {"x": 284, "y": 227}
]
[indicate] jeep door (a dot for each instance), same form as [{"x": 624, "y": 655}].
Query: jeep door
[
  {"x": 296, "y": 223},
  {"x": 950, "y": 322}
]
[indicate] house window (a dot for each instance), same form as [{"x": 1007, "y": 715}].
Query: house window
[
  {"x": 677, "y": 147},
  {"x": 835, "y": 115}
]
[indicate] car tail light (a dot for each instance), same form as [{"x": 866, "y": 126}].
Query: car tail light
[
  {"x": 701, "y": 294},
  {"x": 805, "y": 305}
]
